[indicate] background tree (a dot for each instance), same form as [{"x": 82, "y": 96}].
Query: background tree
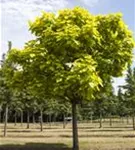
[
  {"x": 130, "y": 92},
  {"x": 105, "y": 101},
  {"x": 122, "y": 103},
  {"x": 16, "y": 107},
  {"x": 5, "y": 91}
]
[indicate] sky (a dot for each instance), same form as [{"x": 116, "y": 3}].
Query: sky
[{"x": 14, "y": 16}]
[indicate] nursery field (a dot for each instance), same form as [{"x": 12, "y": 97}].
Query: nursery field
[{"x": 119, "y": 136}]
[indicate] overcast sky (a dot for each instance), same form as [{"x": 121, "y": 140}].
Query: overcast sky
[{"x": 14, "y": 16}]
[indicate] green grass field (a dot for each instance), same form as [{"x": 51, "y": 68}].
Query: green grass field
[{"x": 118, "y": 137}]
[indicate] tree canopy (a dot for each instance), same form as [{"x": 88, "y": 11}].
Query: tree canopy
[{"x": 73, "y": 52}]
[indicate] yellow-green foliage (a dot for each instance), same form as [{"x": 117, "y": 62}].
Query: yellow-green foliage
[{"x": 73, "y": 50}]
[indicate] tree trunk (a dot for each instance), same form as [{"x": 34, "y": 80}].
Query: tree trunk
[
  {"x": 91, "y": 118},
  {"x": 15, "y": 118},
  {"x": 28, "y": 119},
  {"x": 74, "y": 126},
  {"x": 3, "y": 117},
  {"x": 133, "y": 119},
  {"x": 119, "y": 121},
  {"x": 64, "y": 122},
  {"x": 21, "y": 118},
  {"x": 47, "y": 119},
  {"x": 127, "y": 119},
  {"x": 100, "y": 121},
  {"x": 33, "y": 118},
  {"x": 110, "y": 121},
  {"x": 0, "y": 116},
  {"x": 41, "y": 121},
  {"x": 6, "y": 120},
  {"x": 54, "y": 118},
  {"x": 122, "y": 119},
  {"x": 50, "y": 119}
]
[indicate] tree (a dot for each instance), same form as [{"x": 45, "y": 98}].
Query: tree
[
  {"x": 104, "y": 100},
  {"x": 5, "y": 91},
  {"x": 122, "y": 103},
  {"x": 64, "y": 109},
  {"x": 16, "y": 106},
  {"x": 71, "y": 54},
  {"x": 86, "y": 111},
  {"x": 130, "y": 92}
]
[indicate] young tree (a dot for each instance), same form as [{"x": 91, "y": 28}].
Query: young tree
[
  {"x": 5, "y": 91},
  {"x": 122, "y": 103},
  {"x": 104, "y": 103},
  {"x": 5, "y": 94},
  {"x": 87, "y": 110},
  {"x": 74, "y": 50},
  {"x": 18, "y": 104},
  {"x": 130, "y": 92}
]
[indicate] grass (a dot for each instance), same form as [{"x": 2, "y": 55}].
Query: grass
[{"x": 118, "y": 137}]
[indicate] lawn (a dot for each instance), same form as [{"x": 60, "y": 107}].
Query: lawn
[{"x": 119, "y": 136}]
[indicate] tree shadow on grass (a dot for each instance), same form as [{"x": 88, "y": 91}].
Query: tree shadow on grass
[
  {"x": 87, "y": 127},
  {"x": 104, "y": 130},
  {"x": 130, "y": 127},
  {"x": 29, "y": 136},
  {"x": 100, "y": 136},
  {"x": 36, "y": 146},
  {"x": 25, "y": 128},
  {"x": 18, "y": 131}
]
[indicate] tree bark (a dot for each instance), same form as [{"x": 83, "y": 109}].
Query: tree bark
[
  {"x": 110, "y": 121},
  {"x": 33, "y": 118},
  {"x": 28, "y": 119},
  {"x": 3, "y": 117},
  {"x": 74, "y": 126},
  {"x": 50, "y": 119},
  {"x": 127, "y": 119},
  {"x": 15, "y": 118},
  {"x": 21, "y": 118},
  {"x": 91, "y": 118},
  {"x": 119, "y": 119},
  {"x": 64, "y": 122},
  {"x": 41, "y": 121},
  {"x": 133, "y": 119},
  {"x": 6, "y": 120},
  {"x": 0, "y": 116},
  {"x": 47, "y": 119},
  {"x": 100, "y": 121},
  {"x": 122, "y": 119}
]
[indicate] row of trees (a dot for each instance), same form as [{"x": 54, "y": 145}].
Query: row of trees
[
  {"x": 71, "y": 61},
  {"x": 106, "y": 105}
]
